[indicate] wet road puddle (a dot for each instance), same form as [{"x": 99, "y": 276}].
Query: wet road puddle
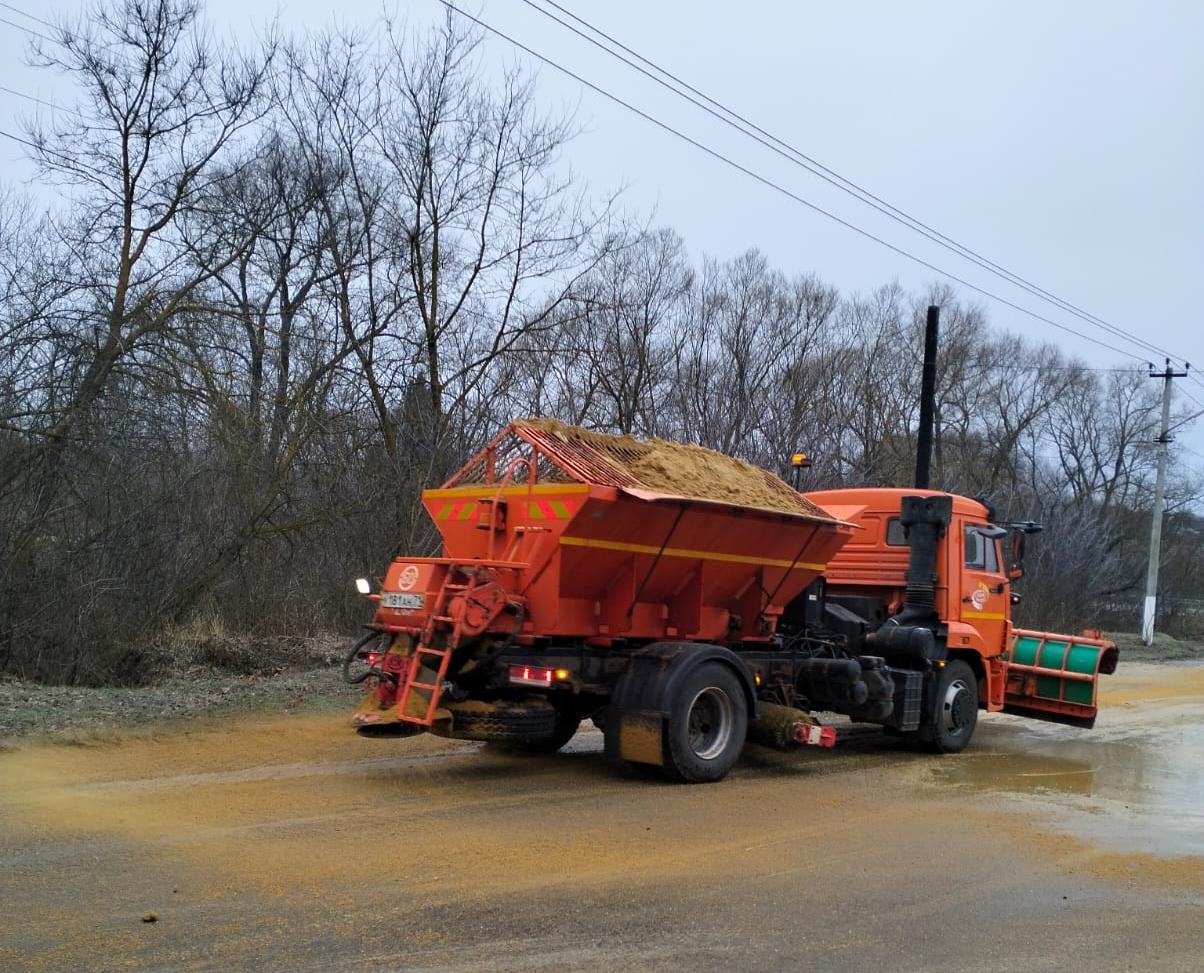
[{"x": 1133, "y": 784}]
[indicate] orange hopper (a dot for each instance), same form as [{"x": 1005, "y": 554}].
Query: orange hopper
[{"x": 602, "y": 537}]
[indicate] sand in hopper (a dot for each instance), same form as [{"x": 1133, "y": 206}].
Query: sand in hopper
[{"x": 684, "y": 470}]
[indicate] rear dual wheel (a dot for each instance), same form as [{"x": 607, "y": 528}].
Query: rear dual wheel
[
  {"x": 505, "y": 722},
  {"x": 564, "y": 729},
  {"x": 708, "y": 721}
]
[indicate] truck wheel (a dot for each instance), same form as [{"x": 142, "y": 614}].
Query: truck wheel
[
  {"x": 955, "y": 710},
  {"x": 508, "y": 722},
  {"x": 567, "y": 722},
  {"x": 708, "y": 720}
]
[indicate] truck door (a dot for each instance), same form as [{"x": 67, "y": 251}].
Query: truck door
[{"x": 985, "y": 590}]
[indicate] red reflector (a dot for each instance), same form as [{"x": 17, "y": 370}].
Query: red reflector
[
  {"x": 372, "y": 657},
  {"x": 531, "y": 675},
  {"x": 816, "y": 736}
]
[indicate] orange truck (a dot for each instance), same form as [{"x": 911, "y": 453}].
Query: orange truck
[{"x": 686, "y": 602}]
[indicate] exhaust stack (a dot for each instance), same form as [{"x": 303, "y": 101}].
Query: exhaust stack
[
  {"x": 910, "y": 634},
  {"x": 927, "y": 399}
]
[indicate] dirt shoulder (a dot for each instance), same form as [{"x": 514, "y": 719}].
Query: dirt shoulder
[
  {"x": 73, "y": 714},
  {"x": 1165, "y": 648}
]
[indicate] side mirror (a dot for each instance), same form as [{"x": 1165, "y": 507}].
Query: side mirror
[
  {"x": 1016, "y": 561},
  {"x": 1017, "y": 548}
]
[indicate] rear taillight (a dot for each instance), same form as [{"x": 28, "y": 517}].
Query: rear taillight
[
  {"x": 531, "y": 676},
  {"x": 538, "y": 675}
]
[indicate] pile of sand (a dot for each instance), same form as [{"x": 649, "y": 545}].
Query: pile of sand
[{"x": 661, "y": 466}]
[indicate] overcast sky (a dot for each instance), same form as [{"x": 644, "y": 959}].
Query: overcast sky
[{"x": 1064, "y": 141}]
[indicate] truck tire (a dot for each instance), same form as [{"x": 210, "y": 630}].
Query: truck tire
[
  {"x": 566, "y": 723},
  {"x": 954, "y": 714},
  {"x": 708, "y": 720},
  {"x": 505, "y": 723}
]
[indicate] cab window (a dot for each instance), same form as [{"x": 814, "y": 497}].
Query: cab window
[
  {"x": 981, "y": 552},
  {"x": 895, "y": 535},
  {"x": 975, "y": 549}
]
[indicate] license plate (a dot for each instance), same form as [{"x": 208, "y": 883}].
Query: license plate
[{"x": 403, "y": 600}]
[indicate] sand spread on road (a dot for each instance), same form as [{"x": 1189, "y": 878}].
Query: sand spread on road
[
  {"x": 302, "y": 814},
  {"x": 213, "y": 788},
  {"x": 1150, "y": 684}
]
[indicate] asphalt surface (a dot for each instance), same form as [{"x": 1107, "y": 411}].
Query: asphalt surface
[{"x": 292, "y": 844}]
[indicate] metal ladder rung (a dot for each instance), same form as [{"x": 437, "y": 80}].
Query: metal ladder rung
[{"x": 443, "y": 656}]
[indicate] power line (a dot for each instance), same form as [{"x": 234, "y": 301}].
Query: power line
[
  {"x": 1085, "y": 368},
  {"x": 812, "y": 165},
  {"x": 36, "y": 100},
  {"x": 28, "y": 30},
  {"x": 826, "y": 173},
  {"x": 74, "y": 163},
  {"x": 765, "y": 181},
  {"x": 1066, "y": 368},
  {"x": 23, "y": 13},
  {"x": 17, "y": 138},
  {"x": 1192, "y": 397}
]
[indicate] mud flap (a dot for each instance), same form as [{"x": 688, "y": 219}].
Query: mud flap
[
  {"x": 635, "y": 720},
  {"x": 1055, "y": 677},
  {"x": 640, "y": 737}
]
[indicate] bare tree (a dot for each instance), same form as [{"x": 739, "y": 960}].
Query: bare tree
[
  {"x": 159, "y": 103},
  {"x": 495, "y": 236},
  {"x": 282, "y": 291}
]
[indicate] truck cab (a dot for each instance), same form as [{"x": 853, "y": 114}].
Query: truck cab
[{"x": 977, "y": 562}]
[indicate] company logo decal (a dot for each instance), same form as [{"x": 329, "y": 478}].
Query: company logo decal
[{"x": 408, "y": 577}]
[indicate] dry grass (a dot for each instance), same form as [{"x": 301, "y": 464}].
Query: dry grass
[
  {"x": 1165, "y": 648},
  {"x": 191, "y": 678}
]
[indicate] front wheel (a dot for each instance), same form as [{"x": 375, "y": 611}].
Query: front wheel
[
  {"x": 954, "y": 714},
  {"x": 708, "y": 721}
]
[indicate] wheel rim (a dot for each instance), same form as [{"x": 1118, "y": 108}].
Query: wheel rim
[
  {"x": 709, "y": 725},
  {"x": 958, "y": 708}
]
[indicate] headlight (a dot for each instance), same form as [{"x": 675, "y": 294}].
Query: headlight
[{"x": 363, "y": 586}]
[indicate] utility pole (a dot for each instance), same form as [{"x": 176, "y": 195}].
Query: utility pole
[{"x": 1168, "y": 375}]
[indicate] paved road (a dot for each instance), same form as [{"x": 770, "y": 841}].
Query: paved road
[{"x": 291, "y": 844}]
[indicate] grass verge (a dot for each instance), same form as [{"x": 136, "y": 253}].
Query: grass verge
[{"x": 81, "y": 715}]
